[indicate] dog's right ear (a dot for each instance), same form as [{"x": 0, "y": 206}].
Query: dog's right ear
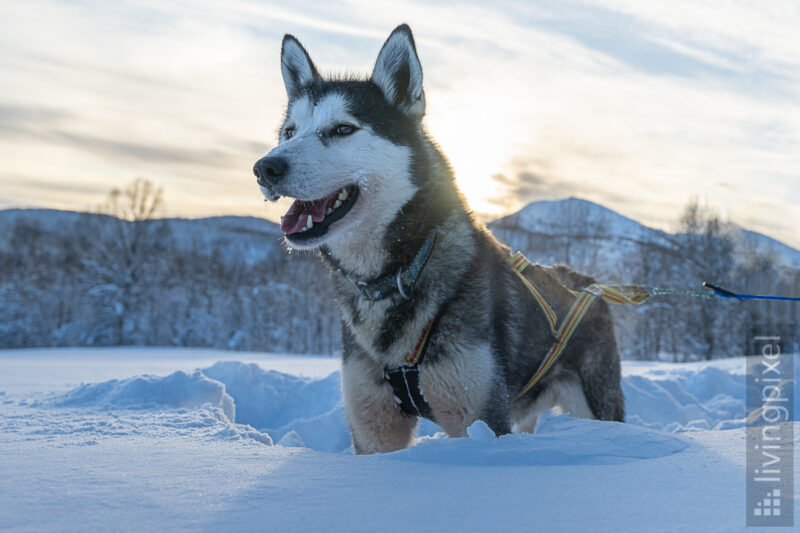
[
  {"x": 296, "y": 66},
  {"x": 398, "y": 73}
]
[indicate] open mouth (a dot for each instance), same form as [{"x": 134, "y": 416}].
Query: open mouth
[{"x": 307, "y": 220}]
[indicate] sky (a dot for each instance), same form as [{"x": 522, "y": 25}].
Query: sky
[{"x": 639, "y": 106}]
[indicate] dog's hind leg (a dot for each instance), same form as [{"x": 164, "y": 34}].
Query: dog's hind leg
[
  {"x": 600, "y": 377},
  {"x": 376, "y": 423},
  {"x": 525, "y": 420},
  {"x": 572, "y": 400}
]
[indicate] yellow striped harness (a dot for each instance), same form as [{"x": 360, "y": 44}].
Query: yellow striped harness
[{"x": 584, "y": 298}]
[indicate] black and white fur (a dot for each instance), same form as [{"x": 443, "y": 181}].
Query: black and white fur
[{"x": 491, "y": 335}]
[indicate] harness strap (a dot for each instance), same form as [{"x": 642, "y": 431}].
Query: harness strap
[
  {"x": 519, "y": 263},
  {"x": 584, "y": 298},
  {"x": 404, "y": 379},
  {"x": 415, "y": 356}
]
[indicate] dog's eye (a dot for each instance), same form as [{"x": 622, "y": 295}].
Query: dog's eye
[
  {"x": 344, "y": 129},
  {"x": 289, "y": 132}
]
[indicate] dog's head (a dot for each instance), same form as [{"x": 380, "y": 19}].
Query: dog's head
[{"x": 345, "y": 148}]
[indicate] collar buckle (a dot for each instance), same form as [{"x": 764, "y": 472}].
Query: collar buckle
[
  {"x": 400, "y": 285},
  {"x": 403, "y": 282}
]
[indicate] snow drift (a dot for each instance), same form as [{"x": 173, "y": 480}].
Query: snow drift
[
  {"x": 304, "y": 412},
  {"x": 142, "y": 392}
]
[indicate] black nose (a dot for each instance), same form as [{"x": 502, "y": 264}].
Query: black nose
[{"x": 270, "y": 169}]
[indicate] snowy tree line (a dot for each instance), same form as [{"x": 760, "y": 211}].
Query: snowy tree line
[
  {"x": 123, "y": 277},
  {"x": 88, "y": 287}
]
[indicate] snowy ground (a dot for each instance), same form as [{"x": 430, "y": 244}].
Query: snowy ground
[{"x": 138, "y": 440}]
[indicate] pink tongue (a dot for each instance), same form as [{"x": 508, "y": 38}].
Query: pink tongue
[{"x": 297, "y": 217}]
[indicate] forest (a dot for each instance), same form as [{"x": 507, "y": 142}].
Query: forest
[{"x": 122, "y": 276}]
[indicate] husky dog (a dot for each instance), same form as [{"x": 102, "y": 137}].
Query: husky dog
[{"x": 412, "y": 267}]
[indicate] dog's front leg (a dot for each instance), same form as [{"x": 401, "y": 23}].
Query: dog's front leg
[{"x": 376, "y": 422}]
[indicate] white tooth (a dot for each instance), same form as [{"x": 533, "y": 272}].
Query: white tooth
[
  {"x": 346, "y": 194},
  {"x": 337, "y": 204},
  {"x": 302, "y": 230},
  {"x": 343, "y": 196},
  {"x": 329, "y": 211},
  {"x": 310, "y": 222}
]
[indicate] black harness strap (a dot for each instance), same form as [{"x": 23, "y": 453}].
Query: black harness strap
[
  {"x": 405, "y": 384},
  {"x": 404, "y": 381}
]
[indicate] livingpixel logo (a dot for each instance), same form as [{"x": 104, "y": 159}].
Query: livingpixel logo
[
  {"x": 770, "y": 432},
  {"x": 770, "y": 505}
]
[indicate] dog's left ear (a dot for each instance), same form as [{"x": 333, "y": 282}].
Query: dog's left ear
[{"x": 398, "y": 72}]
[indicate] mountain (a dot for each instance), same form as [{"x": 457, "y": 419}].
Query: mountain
[
  {"x": 582, "y": 234},
  {"x": 612, "y": 236},
  {"x": 606, "y": 237},
  {"x": 249, "y": 239},
  {"x": 783, "y": 253}
]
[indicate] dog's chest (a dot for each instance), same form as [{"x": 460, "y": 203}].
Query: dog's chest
[
  {"x": 371, "y": 324},
  {"x": 376, "y": 326}
]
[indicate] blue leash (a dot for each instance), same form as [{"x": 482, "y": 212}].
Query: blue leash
[{"x": 725, "y": 293}]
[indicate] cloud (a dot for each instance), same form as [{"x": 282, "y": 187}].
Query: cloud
[
  {"x": 638, "y": 105},
  {"x": 16, "y": 117},
  {"x": 525, "y": 187}
]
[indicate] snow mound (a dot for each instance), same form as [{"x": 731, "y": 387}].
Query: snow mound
[
  {"x": 178, "y": 390},
  {"x": 308, "y": 412},
  {"x": 267, "y": 398},
  {"x": 303, "y": 412},
  {"x": 559, "y": 441},
  {"x": 679, "y": 398}
]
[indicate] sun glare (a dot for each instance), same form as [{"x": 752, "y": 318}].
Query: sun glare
[{"x": 475, "y": 157}]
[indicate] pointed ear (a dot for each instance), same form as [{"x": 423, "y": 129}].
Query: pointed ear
[
  {"x": 398, "y": 73},
  {"x": 296, "y": 66}
]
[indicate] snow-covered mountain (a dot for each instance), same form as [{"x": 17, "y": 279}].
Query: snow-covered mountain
[
  {"x": 764, "y": 245},
  {"x": 610, "y": 234},
  {"x": 247, "y": 238},
  {"x": 575, "y": 216},
  {"x": 582, "y": 234},
  {"x": 602, "y": 238}
]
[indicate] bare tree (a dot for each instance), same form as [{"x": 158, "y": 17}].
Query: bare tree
[
  {"x": 139, "y": 201},
  {"x": 127, "y": 249},
  {"x": 708, "y": 247}
]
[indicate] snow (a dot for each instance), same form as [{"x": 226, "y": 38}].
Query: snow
[
  {"x": 160, "y": 439},
  {"x": 146, "y": 392},
  {"x": 673, "y": 397},
  {"x": 558, "y": 441}
]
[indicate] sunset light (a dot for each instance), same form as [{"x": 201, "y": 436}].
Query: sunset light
[{"x": 528, "y": 101}]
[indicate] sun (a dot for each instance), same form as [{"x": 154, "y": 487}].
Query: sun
[
  {"x": 478, "y": 141},
  {"x": 474, "y": 158}
]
